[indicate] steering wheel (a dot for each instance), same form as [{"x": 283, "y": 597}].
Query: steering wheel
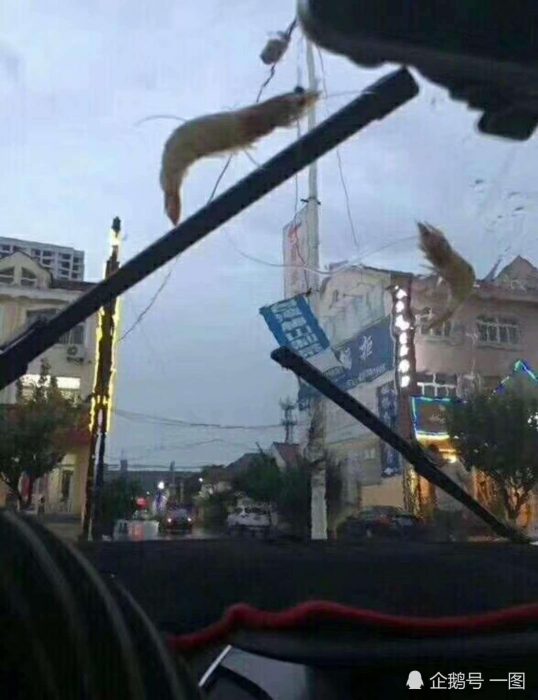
[{"x": 68, "y": 633}]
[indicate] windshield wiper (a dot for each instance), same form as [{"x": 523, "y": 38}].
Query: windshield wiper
[
  {"x": 412, "y": 452},
  {"x": 375, "y": 102}
]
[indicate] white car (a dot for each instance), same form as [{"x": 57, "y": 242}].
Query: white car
[{"x": 249, "y": 520}]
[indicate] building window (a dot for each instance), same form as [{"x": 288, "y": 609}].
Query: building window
[
  {"x": 424, "y": 317},
  {"x": 7, "y": 275},
  {"x": 497, "y": 329},
  {"x": 68, "y": 386},
  {"x": 437, "y": 385},
  {"x": 28, "y": 279},
  {"x": 74, "y": 337},
  {"x": 370, "y": 453},
  {"x": 40, "y": 314}
]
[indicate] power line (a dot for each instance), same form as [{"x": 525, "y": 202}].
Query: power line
[
  {"x": 339, "y": 162},
  {"x": 161, "y": 420},
  {"x": 182, "y": 446}
]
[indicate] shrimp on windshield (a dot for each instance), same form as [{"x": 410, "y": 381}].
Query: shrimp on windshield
[
  {"x": 223, "y": 132},
  {"x": 450, "y": 266}
]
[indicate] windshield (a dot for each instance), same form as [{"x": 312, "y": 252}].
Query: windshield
[{"x": 431, "y": 326}]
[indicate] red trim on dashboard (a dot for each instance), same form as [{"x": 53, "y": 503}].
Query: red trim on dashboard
[{"x": 243, "y": 616}]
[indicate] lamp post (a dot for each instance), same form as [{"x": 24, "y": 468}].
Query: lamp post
[{"x": 101, "y": 398}]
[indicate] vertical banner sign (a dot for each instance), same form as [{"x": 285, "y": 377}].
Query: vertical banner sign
[
  {"x": 296, "y": 255},
  {"x": 391, "y": 463},
  {"x": 294, "y": 325}
]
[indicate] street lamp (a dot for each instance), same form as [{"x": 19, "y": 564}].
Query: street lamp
[{"x": 160, "y": 485}]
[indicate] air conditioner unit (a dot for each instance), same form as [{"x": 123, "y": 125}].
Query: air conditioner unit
[{"x": 76, "y": 353}]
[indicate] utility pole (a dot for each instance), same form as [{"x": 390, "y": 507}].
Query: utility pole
[
  {"x": 316, "y": 446},
  {"x": 101, "y": 395},
  {"x": 288, "y": 421}
]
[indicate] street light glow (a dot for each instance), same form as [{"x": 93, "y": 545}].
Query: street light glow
[
  {"x": 160, "y": 485},
  {"x": 404, "y": 366},
  {"x": 401, "y": 323}
]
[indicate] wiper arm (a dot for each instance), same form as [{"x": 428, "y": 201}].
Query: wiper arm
[
  {"x": 413, "y": 453},
  {"x": 376, "y": 102}
]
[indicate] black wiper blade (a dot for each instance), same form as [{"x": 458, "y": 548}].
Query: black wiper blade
[
  {"x": 376, "y": 102},
  {"x": 412, "y": 452}
]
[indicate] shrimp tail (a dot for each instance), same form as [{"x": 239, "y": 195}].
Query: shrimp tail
[{"x": 172, "y": 206}]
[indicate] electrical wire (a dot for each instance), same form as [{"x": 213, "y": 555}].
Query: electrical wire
[
  {"x": 339, "y": 162},
  {"x": 161, "y": 420},
  {"x": 350, "y": 264},
  {"x": 182, "y": 446}
]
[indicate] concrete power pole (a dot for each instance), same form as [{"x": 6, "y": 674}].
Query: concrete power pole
[{"x": 316, "y": 444}]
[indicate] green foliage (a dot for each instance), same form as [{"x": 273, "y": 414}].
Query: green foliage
[
  {"x": 261, "y": 481},
  {"x": 215, "y": 510},
  {"x": 498, "y": 434},
  {"x": 118, "y": 501},
  {"x": 293, "y": 503},
  {"x": 290, "y": 489},
  {"x": 35, "y": 432}
]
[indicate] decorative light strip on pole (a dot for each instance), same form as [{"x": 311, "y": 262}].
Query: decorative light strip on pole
[{"x": 403, "y": 329}]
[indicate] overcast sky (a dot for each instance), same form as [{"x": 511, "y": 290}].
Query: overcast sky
[{"x": 75, "y": 77}]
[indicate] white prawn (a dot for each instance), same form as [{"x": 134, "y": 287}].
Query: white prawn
[
  {"x": 223, "y": 132},
  {"x": 450, "y": 266}
]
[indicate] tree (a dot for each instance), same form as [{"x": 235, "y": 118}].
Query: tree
[
  {"x": 35, "y": 432},
  {"x": 293, "y": 503},
  {"x": 261, "y": 481},
  {"x": 295, "y": 495},
  {"x": 117, "y": 501},
  {"x": 290, "y": 489},
  {"x": 214, "y": 508},
  {"x": 498, "y": 435}
]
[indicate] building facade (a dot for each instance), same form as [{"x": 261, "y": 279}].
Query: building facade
[
  {"x": 62, "y": 262},
  {"x": 355, "y": 312},
  {"x": 28, "y": 291},
  {"x": 478, "y": 347}
]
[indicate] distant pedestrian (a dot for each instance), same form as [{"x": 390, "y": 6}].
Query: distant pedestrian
[
  {"x": 449, "y": 512},
  {"x": 41, "y": 505}
]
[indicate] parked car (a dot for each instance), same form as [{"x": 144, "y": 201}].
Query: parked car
[
  {"x": 384, "y": 522},
  {"x": 176, "y": 520},
  {"x": 254, "y": 520}
]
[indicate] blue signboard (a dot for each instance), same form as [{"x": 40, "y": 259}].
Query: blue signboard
[
  {"x": 391, "y": 463},
  {"x": 295, "y": 326},
  {"x": 368, "y": 355},
  {"x": 365, "y": 357}
]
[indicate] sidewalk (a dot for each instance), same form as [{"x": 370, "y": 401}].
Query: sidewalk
[{"x": 65, "y": 526}]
